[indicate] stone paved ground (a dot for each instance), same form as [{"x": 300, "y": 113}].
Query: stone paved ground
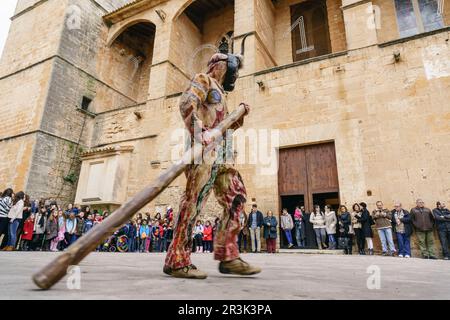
[{"x": 284, "y": 276}]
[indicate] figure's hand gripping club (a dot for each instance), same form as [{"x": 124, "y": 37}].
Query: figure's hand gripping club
[{"x": 57, "y": 269}]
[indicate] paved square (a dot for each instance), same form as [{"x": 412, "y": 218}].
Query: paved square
[{"x": 284, "y": 276}]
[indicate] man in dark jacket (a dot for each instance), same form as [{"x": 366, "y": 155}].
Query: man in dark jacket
[
  {"x": 442, "y": 217},
  {"x": 423, "y": 222},
  {"x": 401, "y": 220},
  {"x": 254, "y": 223},
  {"x": 130, "y": 232}
]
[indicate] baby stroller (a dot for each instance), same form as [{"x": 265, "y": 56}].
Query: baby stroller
[{"x": 117, "y": 242}]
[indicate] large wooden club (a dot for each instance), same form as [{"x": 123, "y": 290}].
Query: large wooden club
[{"x": 57, "y": 269}]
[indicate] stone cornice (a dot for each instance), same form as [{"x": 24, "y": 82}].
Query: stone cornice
[
  {"x": 129, "y": 10},
  {"x": 105, "y": 152}
]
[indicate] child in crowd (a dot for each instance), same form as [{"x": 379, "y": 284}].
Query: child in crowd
[
  {"x": 52, "y": 231},
  {"x": 144, "y": 234},
  {"x": 156, "y": 237},
  {"x": 207, "y": 237},
  {"x": 27, "y": 235},
  {"x": 88, "y": 224}
]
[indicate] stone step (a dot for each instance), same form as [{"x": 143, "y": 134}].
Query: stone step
[{"x": 311, "y": 251}]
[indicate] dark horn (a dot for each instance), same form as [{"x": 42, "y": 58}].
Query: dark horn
[{"x": 243, "y": 44}]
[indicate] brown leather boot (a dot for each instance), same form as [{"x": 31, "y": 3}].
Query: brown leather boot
[
  {"x": 238, "y": 267},
  {"x": 189, "y": 272}
]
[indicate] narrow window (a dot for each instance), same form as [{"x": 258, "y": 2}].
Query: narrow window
[
  {"x": 85, "y": 103},
  {"x": 310, "y": 33}
]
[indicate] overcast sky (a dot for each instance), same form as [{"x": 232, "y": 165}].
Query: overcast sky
[{"x": 6, "y": 11}]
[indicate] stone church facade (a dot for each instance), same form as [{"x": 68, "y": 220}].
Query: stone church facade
[{"x": 358, "y": 93}]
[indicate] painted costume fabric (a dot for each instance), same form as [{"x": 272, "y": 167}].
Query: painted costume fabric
[{"x": 203, "y": 107}]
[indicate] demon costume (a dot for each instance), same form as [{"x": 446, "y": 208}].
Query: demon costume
[{"x": 203, "y": 107}]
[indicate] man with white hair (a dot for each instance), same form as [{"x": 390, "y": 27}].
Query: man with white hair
[{"x": 403, "y": 228}]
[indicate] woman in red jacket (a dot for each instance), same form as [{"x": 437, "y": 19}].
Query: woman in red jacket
[
  {"x": 27, "y": 233},
  {"x": 207, "y": 237}
]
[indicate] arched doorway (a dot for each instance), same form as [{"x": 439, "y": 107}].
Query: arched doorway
[
  {"x": 199, "y": 31},
  {"x": 128, "y": 60}
]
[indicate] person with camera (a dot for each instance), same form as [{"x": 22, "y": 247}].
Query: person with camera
[
  {"x": 317, "y": 219},
  {"x": 383, "y": 222}
]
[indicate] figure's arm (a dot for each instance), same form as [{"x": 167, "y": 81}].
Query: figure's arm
[
  {"x": 191, "y": 100},
  {"x": 240, "y": 122}
]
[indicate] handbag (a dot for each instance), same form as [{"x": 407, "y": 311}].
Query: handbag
[{"x": 342, "y": 242}]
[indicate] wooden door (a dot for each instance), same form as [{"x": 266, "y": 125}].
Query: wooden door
[{"x": 308, "y": 170}]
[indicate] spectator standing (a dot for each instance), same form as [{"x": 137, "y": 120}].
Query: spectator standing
[
  {"x": 27, "y": 235},
  {"x": 383, "y": 222},
  {"x": 61, "y": 231},
  {"x": 144, "y": 234},
  {"x": 270, "y": 232},
  {"x": 243, "y": 234},
  {"x": 6, "y": 204},
  {"x": 357, "y": 225},
  {"x": 198, "y": 236},
  {"x": 71, "y": 229},
  {"x": 169, "y": 235},
  {"x": 423, "y": 221},
  {"x": 88, "y": 223},
  {"x": 317, "y": 219},
  {"x": 345, "y": 223},
  {"x": 131, "y": 235},
  {"x": 287, "y": 224},
  {"x": 80, "y": 223},
  {"x": 330, "y": 223},
  {"x": 207, "y": 237},
  {"x": 51, "y": 241},
  {"x": 15, "y": 217},
  {"x": 26, "y": 213},
  {"x": 442, "y": 217},
  {"x": 403, "y": 228},
  {"x": 299, "y": 224},
  {"x": 366, "y": 227},
  {"x": 254, "y": 224},
  {"x": 157, "y": 236},
  {"x": 40, "y": 224}
]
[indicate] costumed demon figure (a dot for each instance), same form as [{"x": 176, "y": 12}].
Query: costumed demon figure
[{"x": 203, "y": 107}]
